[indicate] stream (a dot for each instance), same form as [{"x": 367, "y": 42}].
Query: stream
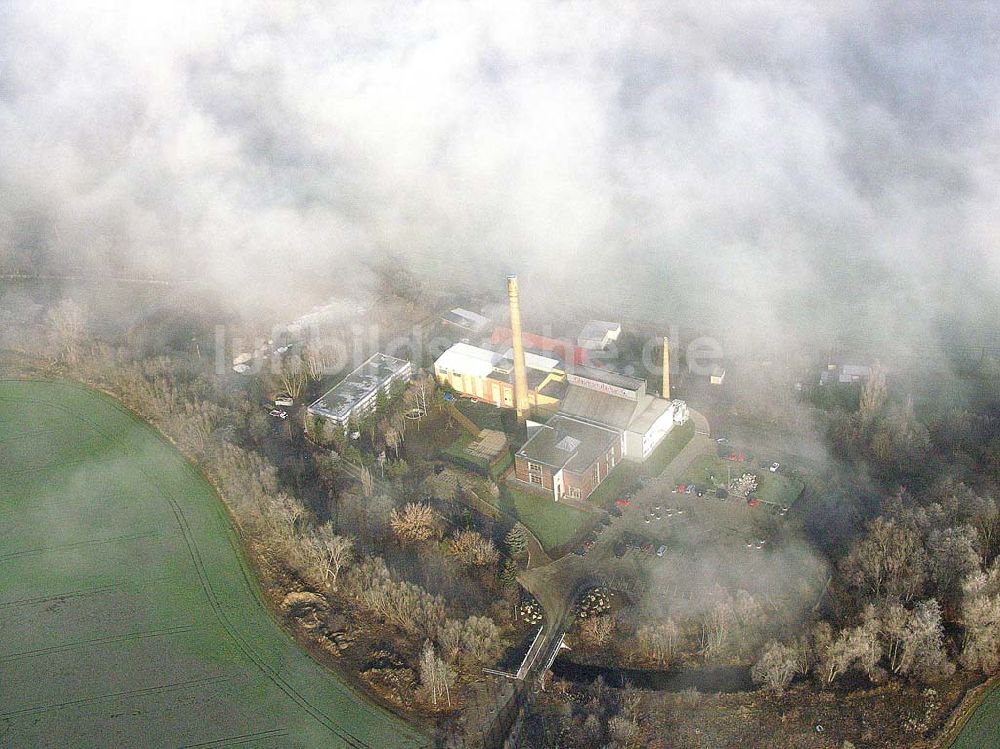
[{"x": 707, "y": 680}]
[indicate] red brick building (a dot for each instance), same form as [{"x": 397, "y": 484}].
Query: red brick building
[{"x": 568, "y": 458}]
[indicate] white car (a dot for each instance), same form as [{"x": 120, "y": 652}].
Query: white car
[
  {"x": 661, "y": 551},
  {"x": 284, "y": 400},
  {"x": 774, "y": 467},
  {"x": 278, "y": 414}
]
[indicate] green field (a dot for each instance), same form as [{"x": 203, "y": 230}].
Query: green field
[
  {"x": 709, "y": 471},
  {"x": 553, "y": 523},
  {"x": 980, "y": 731},
  {"x": 127, "y": 614}
]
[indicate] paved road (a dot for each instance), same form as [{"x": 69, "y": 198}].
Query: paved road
[{"x": 555, "y": 585}]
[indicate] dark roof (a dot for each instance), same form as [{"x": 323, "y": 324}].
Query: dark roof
[{"x": 567, "y": 443}]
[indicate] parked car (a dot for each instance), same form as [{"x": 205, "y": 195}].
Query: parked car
[
  {"x": 774, "y": 467},
  {"x": 278, "y": 414},
  {"x": 622, "y": 502},
  {"x": 690, "y": 489},
  {"x": 284, "y": 400},
  {"x": 682, "y": 488},
  {"x": 661, "y": 551}
]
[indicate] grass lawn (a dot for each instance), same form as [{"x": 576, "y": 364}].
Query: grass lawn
[
  {"x": 129, "y": 615},
  {"x": 669, "y": 449},
  {"x": 627, "y": 473},
  {"x": 555, "y": 524},
  {"x": 711, "y": 472},
  {"x": 622, "y": 476}
]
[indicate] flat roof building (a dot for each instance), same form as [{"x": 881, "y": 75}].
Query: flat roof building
[
  {"x": 598, "y": 334},
  {"x": 355, "y": 395},
  {"x": 467, "y": 320},
  {"x": 489, "y": 376},
  {"x": 567, "y": 457}
]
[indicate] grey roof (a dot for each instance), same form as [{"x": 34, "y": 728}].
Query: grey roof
[
  {"x": 595, "y": 406},
  {"x": 607, "y": 376},
  {"x": 649, "y": 410},
  {"x": 567, "y": 443},
  {"x": 340, "y": 400}
]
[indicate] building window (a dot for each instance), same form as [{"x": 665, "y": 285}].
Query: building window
[
  {"x": 534, "y": 467},
  {"x": 573, "y": 492},
  {"x": 597, "y": 473},
  {"x": 534, "y": 478}
]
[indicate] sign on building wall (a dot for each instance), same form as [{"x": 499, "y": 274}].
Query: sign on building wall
[{"x": 601, "y": 387}]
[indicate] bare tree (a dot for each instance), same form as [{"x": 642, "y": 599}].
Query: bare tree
[
  {"x": 292, "y": 375},
  {"x": 875, "y": 394},
  {"x": 776, "y": 666},
  {"x": 414, "y": 523},
  {"x": 435, "y": 676},
  {"x": 980, "y": 619},
  {"x": 393, "y": 439},
  {"x": 889, "y": 560},
  {"x": 367, "y": 481},
  {"x": 595, "y": 630},
  {"x": 473, "y": 549},
  {"x": 330, "y": 552},
  {"x": 658, "y": 642},
  {"x": 954, "y": 556},
  {"x": 923, "y": 650},
  {"x": 67, "y": 322}
]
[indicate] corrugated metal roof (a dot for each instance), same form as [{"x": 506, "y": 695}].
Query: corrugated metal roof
[{"x": 598, "y": 407}]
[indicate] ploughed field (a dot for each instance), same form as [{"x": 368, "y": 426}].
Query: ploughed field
[{"x": 128, "y": 616}]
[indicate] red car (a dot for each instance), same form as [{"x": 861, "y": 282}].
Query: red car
[
  {"x": 682, "y": 488},
  {"x": 752, "y": 502},
  {"x": 622, "y": 502}
]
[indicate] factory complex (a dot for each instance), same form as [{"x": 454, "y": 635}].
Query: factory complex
[{"x": 580, "y": 420}]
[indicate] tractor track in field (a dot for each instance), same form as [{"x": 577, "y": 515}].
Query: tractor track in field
[
  {"x": 127, "y": 637},
  {"x": 84, "y": 592},
  {"x": 76, "y": 545},
  {"x": 141, "y": 692},
  {"x": 245, "y": 738},
  {"x": 204, "y": 579}
]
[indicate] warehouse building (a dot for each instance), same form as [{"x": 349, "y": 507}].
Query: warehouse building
[
  {"x": 471, "y": 322},
  {"x": 355, "y": 396},
  {"x": 620, "y": 402},
  {"x": 598, "y": 335},
  {"x": 489, "y": 376}
]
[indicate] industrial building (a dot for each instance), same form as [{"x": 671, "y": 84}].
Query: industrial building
[
  {"x": 844, "y": 374},
  {"x": 355, "y": 395},
  {"x": 471, "y": 322},
  {"x": 595, "y": 417},
  {"x": 608, "y": 403},
  {"x": 489, "y": 376},
  {"x": 598, "y": 335},
  {"x": 567, "y": 457}
]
